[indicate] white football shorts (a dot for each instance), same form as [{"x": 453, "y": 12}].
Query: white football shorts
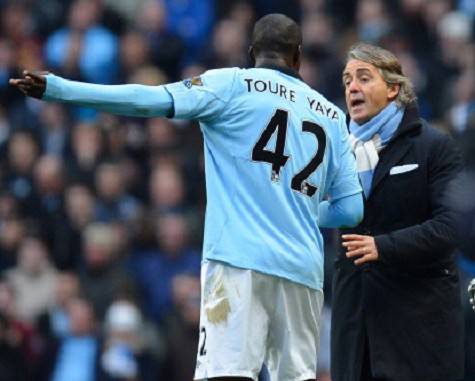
[{"x": 249, "y": 318}]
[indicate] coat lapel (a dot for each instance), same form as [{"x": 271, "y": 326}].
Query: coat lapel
[
  {"x": 389, "y": 158},
  {"x": 397, "y": 146}
]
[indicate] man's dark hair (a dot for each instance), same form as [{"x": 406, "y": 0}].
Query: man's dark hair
[{"x": 276, "y": 35}]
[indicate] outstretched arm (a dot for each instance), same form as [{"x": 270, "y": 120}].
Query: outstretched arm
[{"x": 130, "y": 100}]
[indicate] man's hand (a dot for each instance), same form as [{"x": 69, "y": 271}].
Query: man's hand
[
  {"x": 361, "y": 247},
  {"x": 32, "y": 84},
  {"x": 471, "y": 293}
]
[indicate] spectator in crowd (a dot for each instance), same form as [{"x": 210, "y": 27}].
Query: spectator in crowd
[
  {"x": 67, "y": 288},
  {"x": 84, "y": 49},
  {"x": 163, "y": 141},
  {"x": 128, "y": 10},
  {"x": 8, "y": 206},
  {"x": 12, "y": 365},
  {"x": 19, "y": 335},
  {"x": 87, "y": 152},
  {"x": 7, "y": 67},
  {"x": 167, "y": 49},
  {"x": 243, "y": 13},
  {"x": 155, "y": 268},
  {"x": 79, "y": 212},
  {"x": 134, "y": 53},
  {"x": 4, "y": 130},
  {"x": 54, "y": 131},
  {"x": 103, "y": 276},
  {"x": 113, "y": 203},
  {"x": 33, "y": 280},
  {"x": 54, "y": 325},
  {"x": 48, "y": 176},
  {"x": 193, "y": 22},
  {"x": 373, "y": 21},
  {"x": 49, "y": 180},
  {"x": 229, "y": 44},
  {"x": 129, "y": 351},
  {"x": 463, "y": 108},
  {"x": 78, "y": 352},
  {"x": 321, "y": 66},
  {"x": 12, "y": 230},
  {"x": 167, "y": 188},
  {"x": 23, "y": 151},
  {"x": 181, "y": 327},
  {"x": 397, "y": 312}
]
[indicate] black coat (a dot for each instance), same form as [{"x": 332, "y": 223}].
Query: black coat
[{"x": 406, "y": 305}]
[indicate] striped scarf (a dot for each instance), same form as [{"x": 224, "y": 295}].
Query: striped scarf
[{"x": 369, "y": 138}]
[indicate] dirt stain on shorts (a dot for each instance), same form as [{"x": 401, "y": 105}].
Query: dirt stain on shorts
[{"x": 217, "y": 307}]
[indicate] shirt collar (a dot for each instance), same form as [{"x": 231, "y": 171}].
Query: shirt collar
[{"x": 283, "y": 69}]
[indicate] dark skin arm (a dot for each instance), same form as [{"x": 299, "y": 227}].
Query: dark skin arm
[{"x": 32, "y": 84}]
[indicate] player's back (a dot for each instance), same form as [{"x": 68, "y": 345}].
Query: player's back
[{"x": 272, "y": 151}]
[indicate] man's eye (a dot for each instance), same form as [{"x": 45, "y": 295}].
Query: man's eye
[{"x": 364, "y": 79}]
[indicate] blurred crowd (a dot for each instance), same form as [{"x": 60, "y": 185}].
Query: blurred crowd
[{"x": 101, "y": 217}]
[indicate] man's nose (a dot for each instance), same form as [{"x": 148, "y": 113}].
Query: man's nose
[{"x": 353, "y": 86}]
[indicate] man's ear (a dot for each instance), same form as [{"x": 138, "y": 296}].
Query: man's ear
[
  {"x": 393, "y": 90},
  {"x": 297, "y": 57},
  {"x": 252, "y": 55}
]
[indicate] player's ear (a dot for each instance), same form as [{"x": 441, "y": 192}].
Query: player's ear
[
  {"x": 252, "y": 55},
  {"x": 297, "y": 57}
]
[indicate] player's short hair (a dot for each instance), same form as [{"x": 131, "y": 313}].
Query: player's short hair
[
  {"x": 389, "y": 67},
  {"x": 276, "y": 35}
]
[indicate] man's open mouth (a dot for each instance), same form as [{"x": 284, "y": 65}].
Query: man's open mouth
[{"x": 356, "y": 102}]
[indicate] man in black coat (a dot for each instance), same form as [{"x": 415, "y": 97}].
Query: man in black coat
[{"x": 397, "y": 312}]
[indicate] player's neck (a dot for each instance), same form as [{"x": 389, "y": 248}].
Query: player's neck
[{"x": 274, "y": 61}]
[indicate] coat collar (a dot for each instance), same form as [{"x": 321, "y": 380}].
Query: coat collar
[{"x": 411, "y": 121}]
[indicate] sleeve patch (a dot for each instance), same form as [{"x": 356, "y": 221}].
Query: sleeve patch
[{"x": 195, "y": 81}]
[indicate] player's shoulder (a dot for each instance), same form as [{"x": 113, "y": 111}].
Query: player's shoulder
[
  {"x": 219, "y": 82},
  {"x": 217, "y": 79},
  {"x": 221, "y": 73}
]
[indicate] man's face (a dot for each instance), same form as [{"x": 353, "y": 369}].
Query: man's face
[{"x": 366, "y": 92}]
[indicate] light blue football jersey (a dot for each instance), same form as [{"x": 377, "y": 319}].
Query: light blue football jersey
[{"x": 274, "y": 148}]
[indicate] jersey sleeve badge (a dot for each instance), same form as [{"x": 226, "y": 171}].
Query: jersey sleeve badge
[{"x": 195, "y": 81}]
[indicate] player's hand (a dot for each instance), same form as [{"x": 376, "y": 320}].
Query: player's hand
[
  {"x": 471, "y": 293},
  {"x": 32, "y": 84},
  {"x": 361, "y": 247}
]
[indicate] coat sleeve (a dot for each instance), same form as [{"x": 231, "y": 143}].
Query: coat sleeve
[{"x": 419, "y": 245}]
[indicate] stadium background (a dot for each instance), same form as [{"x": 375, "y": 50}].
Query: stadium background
[{"x": 101, "y": 217}]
